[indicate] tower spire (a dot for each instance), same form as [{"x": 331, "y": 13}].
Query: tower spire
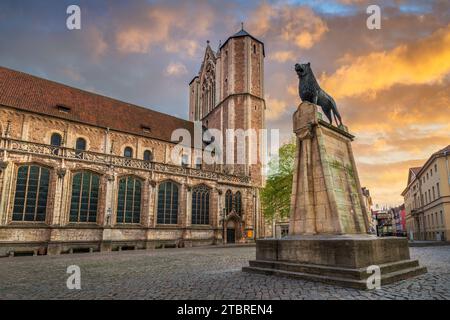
[{"x": 242, "y": 26}]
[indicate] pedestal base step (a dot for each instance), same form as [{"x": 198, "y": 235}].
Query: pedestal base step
[{"x": 346, "y": 277}]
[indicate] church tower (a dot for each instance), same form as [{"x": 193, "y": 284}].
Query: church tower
[{"x": 228, "y": 93}]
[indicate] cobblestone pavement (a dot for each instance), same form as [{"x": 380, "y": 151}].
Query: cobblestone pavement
[{"x": 199, "y": 273}]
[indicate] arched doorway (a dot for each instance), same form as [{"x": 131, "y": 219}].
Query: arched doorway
[{"x": 231, "y": 231}]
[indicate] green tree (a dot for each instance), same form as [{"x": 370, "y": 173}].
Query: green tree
[{"x": 276, "y": 195}]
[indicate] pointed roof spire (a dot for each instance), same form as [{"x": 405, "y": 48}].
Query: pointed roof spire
[{"x": 242, "y": 33}]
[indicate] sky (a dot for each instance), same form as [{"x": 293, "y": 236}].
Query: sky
[{"x": 392, "y": 85}]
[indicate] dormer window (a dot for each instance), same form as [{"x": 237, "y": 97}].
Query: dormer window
[
  {"x": 63, "y": 109},
  {"x": 146, "y": 129}
]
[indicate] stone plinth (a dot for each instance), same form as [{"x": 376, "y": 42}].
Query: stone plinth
[
  {"x": 326, "y": 192},
  {"x": 328, "y": 238}
]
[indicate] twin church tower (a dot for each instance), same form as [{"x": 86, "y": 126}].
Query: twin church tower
[{"x": 228, "y": 93}]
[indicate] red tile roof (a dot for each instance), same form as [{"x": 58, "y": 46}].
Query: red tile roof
[{"x": 26, "y": 92}]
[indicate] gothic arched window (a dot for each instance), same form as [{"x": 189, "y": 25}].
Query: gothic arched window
[
  {"x": 80, "y": 144},
  {"x": 238, "y": 202},
  {"x": 128, "y": 152},
  {"x": 167, "y": 203},
  {"x": 148, "y": 156},
  {"x": 56, "y": 140},
  {"x": 30, "y": 198},
  {"x": 200, "y": 205},
  {"x": 129, "y": 200},
  {"x": 84, "y": 201},
  {"x": 228, "y": 201}
]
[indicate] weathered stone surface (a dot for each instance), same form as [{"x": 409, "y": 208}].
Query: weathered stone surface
[
  {"x": 328, "y": 219},
  {"x": 340, "y": 251},
  {"x": 326, "y": 193}
]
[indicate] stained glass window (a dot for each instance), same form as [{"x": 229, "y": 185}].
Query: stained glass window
[
  {"x": 228, "y": 201},
  {"x": 200, "y": 205},
  {"x": 238, "y": 203},
  {"x": 84, "y": 201},
  {"x": 30, "y": 200},
  {"x": 167, "y": 203},
  {"x": 129, "y": 200}
]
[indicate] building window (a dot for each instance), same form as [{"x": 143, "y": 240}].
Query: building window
[
  {"x": 129, "y": 200},
  {"x": 30, "y": 199},
  {"x": 200, "y": 205},
  {"x": 184, "y": 160},
  {"x": 198, "y": 163},
  {"x": 148, "y": 156},
  {"x": 84, "y": 201},
  {"x": 128, "y": 152},
  {"x": 56, "y": 141},
  {"x": 167, "y": 203},
  {"x": 442, "y": 218},
  {"x": 228, "y": 201},
  {"x": 254, "y": 49},
  {"x": 435, "y": 167},
  {"x": 438, "y": 191},
  {"x": 434, "y": 194},
  {"x": 238, "y": 203},
  {"x": 80, "y": 144}
]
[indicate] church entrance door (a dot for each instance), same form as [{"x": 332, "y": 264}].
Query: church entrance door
[{"x": 231, "y": 232}]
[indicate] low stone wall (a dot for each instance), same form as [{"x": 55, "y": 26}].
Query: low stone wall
[{"x": 39, "y": 240}]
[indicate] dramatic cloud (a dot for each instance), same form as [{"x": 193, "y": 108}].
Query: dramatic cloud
[
  {"x": 424, "y": 61},
  {"x": 283, "y": 56},
  {"x": 391, "y": 85},
  {"x": 275, "y": 108},
  {"x": 299, "y": 25}
]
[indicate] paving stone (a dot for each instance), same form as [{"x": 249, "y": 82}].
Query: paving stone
[{"x": 197, "y": 273}]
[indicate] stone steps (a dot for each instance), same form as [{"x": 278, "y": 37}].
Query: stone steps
[{"x": 355, "y": 278}]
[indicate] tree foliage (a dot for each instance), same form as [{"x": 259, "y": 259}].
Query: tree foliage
[{"x": 276, "y": 195}]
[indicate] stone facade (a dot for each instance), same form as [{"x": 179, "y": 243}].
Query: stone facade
[
  {"x": 427, "y": 199},
  {"x": 27, "y": 130},
  {"x": 228, "y": 93}
]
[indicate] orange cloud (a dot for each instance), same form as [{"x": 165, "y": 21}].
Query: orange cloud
[
  {"x": 420, "y": 62},
  {"x": 283, "y": 56},
  {"x": 275, "y": 108},
  {"x": 295, "y": 24},
  {"x": 157, "y": 26},
  {"x": 386, "y": 180}
]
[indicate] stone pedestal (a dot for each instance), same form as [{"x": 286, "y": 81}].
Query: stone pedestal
[{"x": 328, "y": 238}]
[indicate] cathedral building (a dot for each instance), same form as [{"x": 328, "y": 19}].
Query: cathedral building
[{"x": 81, "y": 172}]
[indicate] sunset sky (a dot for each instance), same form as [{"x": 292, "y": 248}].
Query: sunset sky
[{"x": 392, "y": 86}]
